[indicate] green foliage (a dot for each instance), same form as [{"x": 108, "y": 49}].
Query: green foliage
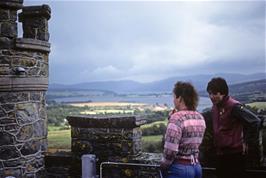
[
  {"x": 152, "y": 144},
  {"x": 154, "y": 129},
  {"x": 151, "y": 116},
  {"x": 57, "y": 113}
]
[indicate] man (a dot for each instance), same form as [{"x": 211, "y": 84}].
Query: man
[{"x": 235, "y": 129}]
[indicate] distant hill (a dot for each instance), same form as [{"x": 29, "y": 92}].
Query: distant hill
[
  {"x": 257, "y": 86},
  {"x": 249, "y": 91},
  {"x": 166, "y": 85}
]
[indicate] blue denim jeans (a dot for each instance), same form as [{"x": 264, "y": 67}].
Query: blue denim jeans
[{"x": 184, "y": 171}]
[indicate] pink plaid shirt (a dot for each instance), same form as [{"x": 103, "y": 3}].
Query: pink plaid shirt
[{"x": 183, "y": 136}]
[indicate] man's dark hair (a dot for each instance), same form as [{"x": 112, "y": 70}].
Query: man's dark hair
[
  {"x": 216, "y": 85},
  {"x": 187, "y": 93}
]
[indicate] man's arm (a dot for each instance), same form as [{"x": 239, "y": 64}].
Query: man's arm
[{"x": 251, "y": 124}]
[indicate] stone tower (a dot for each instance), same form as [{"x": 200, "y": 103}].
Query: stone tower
[{"x": 23, "y": 83}]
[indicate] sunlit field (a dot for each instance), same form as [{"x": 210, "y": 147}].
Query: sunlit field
[
  {"x": 259, "y": 105},
  {"x": 59, "y": 139},
  {"x": 104, "y": 104}
]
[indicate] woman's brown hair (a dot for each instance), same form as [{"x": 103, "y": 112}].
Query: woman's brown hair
[{"x": 187, "y": 93}]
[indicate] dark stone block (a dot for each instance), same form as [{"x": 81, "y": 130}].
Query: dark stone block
[
  {"x": 6, "y": 43},
  {"x": 35, "y": 164},
  {"x": 14, "y": 163},
  {"x": 11, "y": 97},
  {"x": 8, "y": 107},
  {"x": 6, "y": 138},
  {"x": 7, "y": 121},
  {"x": 61, "y": 159},
  {"x": 44, "y": 145},
  {"x": 33, "y": 11},
  {"x": 105, "y": 134},
  {"x": 43, "y": 36},
  {"x": 40, "y": 129},
  {"x": 30, "y": 148},
  {"x": 4, "y": 14},
  {"x": 9, "y": 152},
  {"x": 11, "y": 128},
  {"x": 23, "y": 61},
  {"x": 81, "y": 147},
  {"x": 35, "y": 96},
  {"x": 8, "y": 15},
  {"x": 8, "y": 30},
  {"x": 27, "y": 112},
  {"x": 41, "y": 173},
  {"x": 11, "y": 4},
  {"x": 5, "y": 60},
  {"x": 25, "y": 133},
  {"x": 2, "y": 112},
  {"x": 105, "y": 121}
]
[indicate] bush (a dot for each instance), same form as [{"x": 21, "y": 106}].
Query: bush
[{"x": 155, "y": 129}]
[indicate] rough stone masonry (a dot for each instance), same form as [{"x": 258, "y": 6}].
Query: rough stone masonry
[{"x": 23, "y": 83}]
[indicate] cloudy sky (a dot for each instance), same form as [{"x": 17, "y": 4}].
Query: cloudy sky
[{"x": 152, "y": 40}]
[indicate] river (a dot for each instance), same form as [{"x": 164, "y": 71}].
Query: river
[{"x": 204, "y": 102}]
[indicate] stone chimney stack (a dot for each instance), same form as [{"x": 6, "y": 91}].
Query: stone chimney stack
[{"x": 23, "y": 85}]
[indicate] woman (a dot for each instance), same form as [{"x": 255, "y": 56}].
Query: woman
[{"x": 184, "y": 134}]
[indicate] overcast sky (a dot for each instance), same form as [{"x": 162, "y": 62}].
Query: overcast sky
[{"x": 153, "y": 40}]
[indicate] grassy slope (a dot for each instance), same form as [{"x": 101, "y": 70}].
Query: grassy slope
[{"x": 59, "y": 139}]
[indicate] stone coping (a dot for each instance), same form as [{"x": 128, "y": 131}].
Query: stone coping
[
  {"x": 23, "y": 84},
  {"x": 33, "y": 11},
  {"x": 11, "y": 4},
  {"x": 32, "y": 44},
  {"x": 91, "y": 121}
]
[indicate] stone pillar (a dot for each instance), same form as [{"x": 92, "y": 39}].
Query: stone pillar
[
  {"x": 8, "y": 25},
  {"x": 115, "y": 138},
  {"x": 35, "y": 22},
  {"x": 23, "y": 83}
]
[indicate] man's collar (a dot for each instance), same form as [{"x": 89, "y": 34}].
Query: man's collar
[{"x": 222, "y": 103}]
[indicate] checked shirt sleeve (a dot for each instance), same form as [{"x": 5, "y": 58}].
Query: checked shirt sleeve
[{"x": 172, "y": 138}]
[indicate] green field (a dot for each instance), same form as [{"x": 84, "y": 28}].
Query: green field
[
  {"x": 259, "y": 105},
  {"x": 154, "y": 123},
  {"x": 59, "y": 139}
]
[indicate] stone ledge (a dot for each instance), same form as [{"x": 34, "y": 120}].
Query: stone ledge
[
  {"x": 23, "y": 84},
  {"x": 32, "y": 44},
  {"x": 89, "y": 121},
  {"x": 33, "y": 11},
  {"x": 11, "y": 4}
]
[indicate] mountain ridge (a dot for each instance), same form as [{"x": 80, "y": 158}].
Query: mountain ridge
[{"x": 165, "y": 85}]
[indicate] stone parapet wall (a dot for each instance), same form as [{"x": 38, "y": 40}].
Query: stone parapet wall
[
  {"x": 106, "y": 137},
  {"x": 106, "y": 142},
  {"x": 113, "y": 139},
  {"x": 58, "y": 165}
]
